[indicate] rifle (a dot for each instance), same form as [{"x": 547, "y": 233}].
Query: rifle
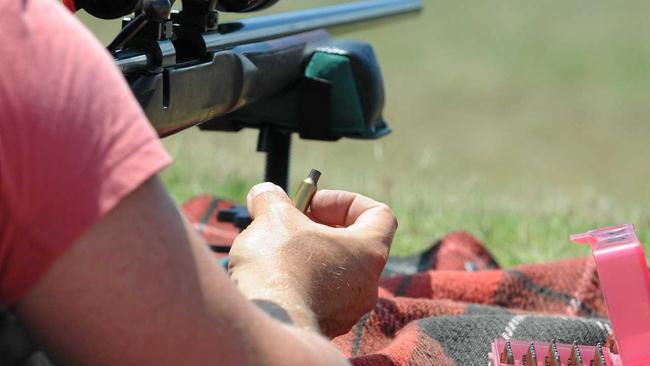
[{"x": 280, "y": 74}]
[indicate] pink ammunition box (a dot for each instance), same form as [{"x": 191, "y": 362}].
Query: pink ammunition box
[{"x": 625, "y": 283}]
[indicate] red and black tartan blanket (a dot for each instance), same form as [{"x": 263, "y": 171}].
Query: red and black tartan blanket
[{"x": 446, "y": 305}]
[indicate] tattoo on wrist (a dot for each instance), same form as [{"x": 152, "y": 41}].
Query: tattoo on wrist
[{"x": 276, "y": 311}]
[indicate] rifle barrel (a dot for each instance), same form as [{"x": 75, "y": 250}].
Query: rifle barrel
[
  {"x": 285, "y": 24},
  {"x": 269, "y": 27}
]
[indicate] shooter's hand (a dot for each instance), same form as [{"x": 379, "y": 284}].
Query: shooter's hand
[{"x": 323, "y": 270}]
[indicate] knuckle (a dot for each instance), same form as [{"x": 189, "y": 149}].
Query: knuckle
[
  {"x": 382, "y": 239},
  {"x": 376, "y": 245},
  {"x": 390, "y": 215},
  {"x": 379, "y": 260},
  {"x": 389, "y": 225},
  {"x": 382, "y": 254}
]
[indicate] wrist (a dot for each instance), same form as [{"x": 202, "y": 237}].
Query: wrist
[{"x": 275, "y": 295}]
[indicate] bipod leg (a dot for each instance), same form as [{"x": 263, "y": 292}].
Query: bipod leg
[{"x": 277, "y": 146}]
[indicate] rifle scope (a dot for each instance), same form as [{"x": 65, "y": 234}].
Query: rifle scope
[{"x": 111, "y": 9}]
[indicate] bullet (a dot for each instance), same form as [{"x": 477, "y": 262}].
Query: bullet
[
  {"x": 576, "y": 358},
  {"x": 507, "y": 357},
  {"x": 553, "y": 358},
  {"x": 599, "y": 357},
  {"x": 530, "y": 358},
  {"x": 306, "y": 191}
]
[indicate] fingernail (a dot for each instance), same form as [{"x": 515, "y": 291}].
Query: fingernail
[{"x": 263, "y": 188}]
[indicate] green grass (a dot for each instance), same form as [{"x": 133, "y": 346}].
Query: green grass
[{"x": 520, "y": 122}]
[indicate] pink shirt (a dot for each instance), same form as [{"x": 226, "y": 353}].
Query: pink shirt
[{"x": 73, "y": 140}]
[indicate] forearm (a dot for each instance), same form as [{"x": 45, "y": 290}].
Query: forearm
[{"x": 140, "y": 288}]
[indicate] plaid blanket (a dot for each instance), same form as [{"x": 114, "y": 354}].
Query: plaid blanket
[
  {"x": 454, "y": 300},
  {"x": 446, "y": 305}
]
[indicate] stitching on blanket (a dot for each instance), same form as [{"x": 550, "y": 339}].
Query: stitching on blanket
[
  {"x": 512, "y": 325},
  {"x": 356, "y": 344},
  {"x": 605, "y": 326}
]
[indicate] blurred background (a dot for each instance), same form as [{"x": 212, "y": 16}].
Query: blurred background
[{"x": 520, "y": 122}]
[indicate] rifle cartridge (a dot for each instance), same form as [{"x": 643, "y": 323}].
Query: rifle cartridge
[{"x": 306, "y": 191}]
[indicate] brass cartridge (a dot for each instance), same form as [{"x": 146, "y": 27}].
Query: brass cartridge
[{"x": 306, "y": 191}]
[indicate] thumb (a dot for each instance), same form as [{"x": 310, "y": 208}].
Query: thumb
[{"x": 264, "y": 197}]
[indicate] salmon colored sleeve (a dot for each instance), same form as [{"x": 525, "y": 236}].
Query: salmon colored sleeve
[{"x": 73, "y": 140}]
